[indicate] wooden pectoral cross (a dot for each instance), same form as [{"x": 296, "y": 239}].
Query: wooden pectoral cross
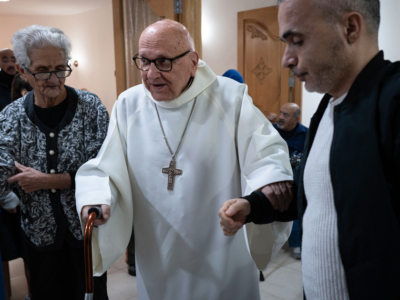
[{"x": 172, "y": 172}]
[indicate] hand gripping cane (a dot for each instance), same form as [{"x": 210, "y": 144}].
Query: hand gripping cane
[{"x": 94, "y": 213}]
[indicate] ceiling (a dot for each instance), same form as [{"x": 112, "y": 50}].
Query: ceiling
[{"x": 49, "y": 7}]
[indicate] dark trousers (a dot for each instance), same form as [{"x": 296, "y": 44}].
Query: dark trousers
[
  {"x": 131, "y": 249},
  {"x": 294, "y": 238},
  {"x": 2, "y": 288},
  {"x": 60, "y": 274}
]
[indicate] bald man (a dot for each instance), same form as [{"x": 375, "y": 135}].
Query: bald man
[
  {"x": 291, "y": 130},
  {"x": 294, "y": 133},
  {"x": 7, "y": 73},
  {"x": 176, "y": 148}
]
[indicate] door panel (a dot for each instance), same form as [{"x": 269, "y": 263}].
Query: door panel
[{"x": 260, "y": 53}]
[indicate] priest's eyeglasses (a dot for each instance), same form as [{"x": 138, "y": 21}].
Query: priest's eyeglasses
[
  {"x": 163, "y": 64},
  {"x": 47, "y": 75}
]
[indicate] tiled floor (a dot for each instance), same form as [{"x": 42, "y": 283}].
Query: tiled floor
[{"x": 282, "y": 280}]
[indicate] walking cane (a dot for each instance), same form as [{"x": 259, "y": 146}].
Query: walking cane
[{"x": 94, "y": 213}]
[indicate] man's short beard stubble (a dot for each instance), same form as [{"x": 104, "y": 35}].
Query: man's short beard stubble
[
  {"x": 279, "y": 125},
  {"x": 334, "y": 69}
]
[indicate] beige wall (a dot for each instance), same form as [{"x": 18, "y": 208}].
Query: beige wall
[
  {"x": 219, "y": 30},
  {"x": 92, "y": 38}
]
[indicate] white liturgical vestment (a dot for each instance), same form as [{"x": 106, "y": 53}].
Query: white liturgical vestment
[{"x": 181, "y": 252}]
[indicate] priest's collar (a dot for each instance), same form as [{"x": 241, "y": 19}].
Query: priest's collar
[{"x": 203, "y": 79}]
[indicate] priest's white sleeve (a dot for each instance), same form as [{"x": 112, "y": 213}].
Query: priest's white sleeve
[
  {"x": 264, "y": 159},
  {"x": 105, "y": 180},
  {"x": 263, "y": 154}
]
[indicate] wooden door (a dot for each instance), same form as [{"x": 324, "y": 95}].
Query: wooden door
[{"x": 260, "y": 53}]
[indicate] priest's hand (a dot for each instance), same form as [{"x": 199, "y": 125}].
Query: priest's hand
[
  {"x": 279, "y": 194},
  {"x": 105, "y": 214},
  {"x": 233, "y": 214}
]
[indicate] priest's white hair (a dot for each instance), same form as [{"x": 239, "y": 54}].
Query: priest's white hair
[
  {"x": 333, "y": 9},
  {"x": 35, "y": 37}
]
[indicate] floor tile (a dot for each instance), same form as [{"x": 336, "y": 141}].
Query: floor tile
[
  {"x": 268, "y": 296},
  {"x": 121, "y": 286},
  {"x": 120, "y": 263},
  {"x": 282, "y": 279}
]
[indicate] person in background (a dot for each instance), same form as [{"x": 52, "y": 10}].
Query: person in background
[
  {"x": 233, "y": 74},
  {"x": 11, "y": 242},
  {"x": 294, "y": 133},
  {"x": 2, "y": 288},
  {"x": 45, "y": 137},
  {"x": 7, "y": 73},
  {"x": 19, "y": 87}
]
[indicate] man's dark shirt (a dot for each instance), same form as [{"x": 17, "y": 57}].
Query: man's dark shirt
[
  {"x": 364, "y": 166},
  {"x": 294, "y": 138}
]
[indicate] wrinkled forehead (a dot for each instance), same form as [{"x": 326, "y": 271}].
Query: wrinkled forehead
[
  {"x": 289, "y": 108},
  {"x": 6, "y": 54},
  {"x": 162, "y": 41}
]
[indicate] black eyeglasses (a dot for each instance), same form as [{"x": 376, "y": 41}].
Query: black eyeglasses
[
  {"x": 47, "y": 75},
  {"x": 162, "y": 64}
]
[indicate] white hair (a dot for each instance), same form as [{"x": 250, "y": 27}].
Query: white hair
[{"x": 35, "y": 37}]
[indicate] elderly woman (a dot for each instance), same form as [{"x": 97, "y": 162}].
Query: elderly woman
[{"x": 45, "y": 136}]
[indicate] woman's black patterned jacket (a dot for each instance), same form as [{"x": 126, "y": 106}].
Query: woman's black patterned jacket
[{"x": 48, "y": 217}]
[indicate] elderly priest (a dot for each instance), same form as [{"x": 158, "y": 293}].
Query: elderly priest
[{"x": 176, "y": 148}]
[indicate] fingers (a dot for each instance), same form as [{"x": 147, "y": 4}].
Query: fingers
[
  {"x": 105, "y": 214},
  {"x": 20, "y": 167},
  {"x": 289, "y": 186},
  {"x": 84, "y": 212},
  {"x": 270, "y": 194},
  {"x": 224, "y": 219},
  {"x": 279, "y": 195},
  {"x": 13, "y": 179},
  {"x": 228, "y": 211},
  {"x": 231, "y": 230},
  {"x": 234, "y": 208},
  {"x": 286, "y": 199}
]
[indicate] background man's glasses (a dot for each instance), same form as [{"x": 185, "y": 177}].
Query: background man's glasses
[
  {"x": 47, "y": 75},
  {"x": 162, "y": 64}
]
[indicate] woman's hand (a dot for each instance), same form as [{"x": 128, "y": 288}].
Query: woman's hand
[{"x": 29, "y": 179}]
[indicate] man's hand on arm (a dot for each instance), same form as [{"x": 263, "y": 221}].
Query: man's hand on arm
[
  {"x": 233, "y": 214},
  {"x": 31, "y": 180},
  {"x": 279, "y": 194},
  {"x": 105, "y": 214}
]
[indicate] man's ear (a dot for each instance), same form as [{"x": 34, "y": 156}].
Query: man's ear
[
  {"x": 194, "y": 61},
  {"x": 353, "y": 26},
  {"x": 21, "y": 71}
]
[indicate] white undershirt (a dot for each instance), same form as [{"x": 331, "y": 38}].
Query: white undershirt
[{"x": 323, "y": 272}]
